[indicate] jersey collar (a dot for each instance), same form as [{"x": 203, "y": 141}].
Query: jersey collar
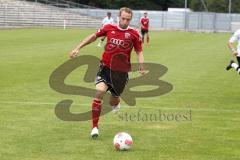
[{"x": 121, "y": 28}]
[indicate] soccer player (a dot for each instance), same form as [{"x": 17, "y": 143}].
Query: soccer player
[
  {"x": 105, "y": 21},
  {"x": 144, "y": 22},
  {"x": 235, "y": 52},
  {"x": 115, "y": 63}
]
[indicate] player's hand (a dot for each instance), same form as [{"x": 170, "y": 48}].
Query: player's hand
[
  {"x": 74, "y": 53},
  {"x": 235, "y": 53},
  {"x": 141, "y": 69}
]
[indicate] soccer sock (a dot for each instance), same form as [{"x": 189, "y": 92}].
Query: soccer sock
[
  {"x": 238, "y": 70},
  {"x": 234, "y": 65},
  {"x": 96, "y": 111},
  {"x": 115, "y": 106}
]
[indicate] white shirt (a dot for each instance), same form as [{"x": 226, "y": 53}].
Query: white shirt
[
  {"x": 107, "y": 20},
  {"x": 236, "y": 37}
]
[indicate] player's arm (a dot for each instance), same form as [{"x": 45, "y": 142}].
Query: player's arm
[
  {"x": 231, "y": 41},
  {"x": 148, "y": 23},
  {"x": 231, "y": 47},
  {"x": 140, "y": 61},
  {"x": 83, "y": 43},
  {"x": 103, "y": 22},
  {"x": 140, "y": 26},
  {"x": 138, "y": 49}
]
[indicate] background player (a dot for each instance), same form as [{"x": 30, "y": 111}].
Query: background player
[
  {"x": 235, "y": 52},
  {"x": 105, "y": 21},
  {"x": 115, "y": 63},
  {"x": 144, "y": 22}
]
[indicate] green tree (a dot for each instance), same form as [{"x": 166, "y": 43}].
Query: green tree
[
  {"x": 220, "y": 6},
  {"x": 136, "y": 4},
  {"x": 235, "y": 6},
  {"x": 217, "y": 5},
  {"x": 196, "y": 5}
]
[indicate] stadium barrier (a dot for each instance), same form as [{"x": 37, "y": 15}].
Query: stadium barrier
[{"x": 17, "y": 13}]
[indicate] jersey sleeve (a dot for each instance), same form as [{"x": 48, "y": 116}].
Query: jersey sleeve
[
  {"x": 137, "y": 42},
  {"x": 103, "y": 21},
  {"x": 102, "y": 31},
  {"x": 112, "y": 21},
  {"x": 234, "y": 37}
]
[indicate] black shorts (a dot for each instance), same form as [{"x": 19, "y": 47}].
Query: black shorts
[
  {"x": 143, "y": 32},
  {"x": 115, "y": 80},
  {"x": 238, "y": 59}
]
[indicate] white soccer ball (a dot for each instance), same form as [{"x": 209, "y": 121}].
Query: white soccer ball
[{"x": 122, "y": 141}]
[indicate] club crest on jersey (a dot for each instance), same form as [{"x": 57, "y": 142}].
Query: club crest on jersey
[{"x": 127, "y": 35}]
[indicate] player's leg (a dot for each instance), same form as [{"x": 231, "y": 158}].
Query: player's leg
[
  {"x": 143, "y": 34},
  {"x": 147, "y": 34},
  {"x": 238, "y": 59},
  {"x": 101, "y": 88},
  {"x": 229, "y": 66},
  {"x": 234, "y": 65},
  {"x": 114, "y": 101},
  {"x": 119, "y": 81},
  {"x": 103, "y": 38},
  {"x": 238, "y": 68}
]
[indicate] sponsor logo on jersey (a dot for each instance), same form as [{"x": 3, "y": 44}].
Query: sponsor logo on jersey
[{"x": 118, "y": 42}]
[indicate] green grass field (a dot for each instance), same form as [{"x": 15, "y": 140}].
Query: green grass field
[{"x": 30, "y": 130}]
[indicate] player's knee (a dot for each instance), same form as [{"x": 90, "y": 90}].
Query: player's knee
[{"x": 99, "y": 95}]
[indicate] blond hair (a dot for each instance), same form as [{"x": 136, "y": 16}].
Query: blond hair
[{"x": 125, "y": 9}]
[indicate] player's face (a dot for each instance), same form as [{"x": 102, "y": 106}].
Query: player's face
[
  {"x": 124, "y": 19},
  {"x": 145, "y": 15}
]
